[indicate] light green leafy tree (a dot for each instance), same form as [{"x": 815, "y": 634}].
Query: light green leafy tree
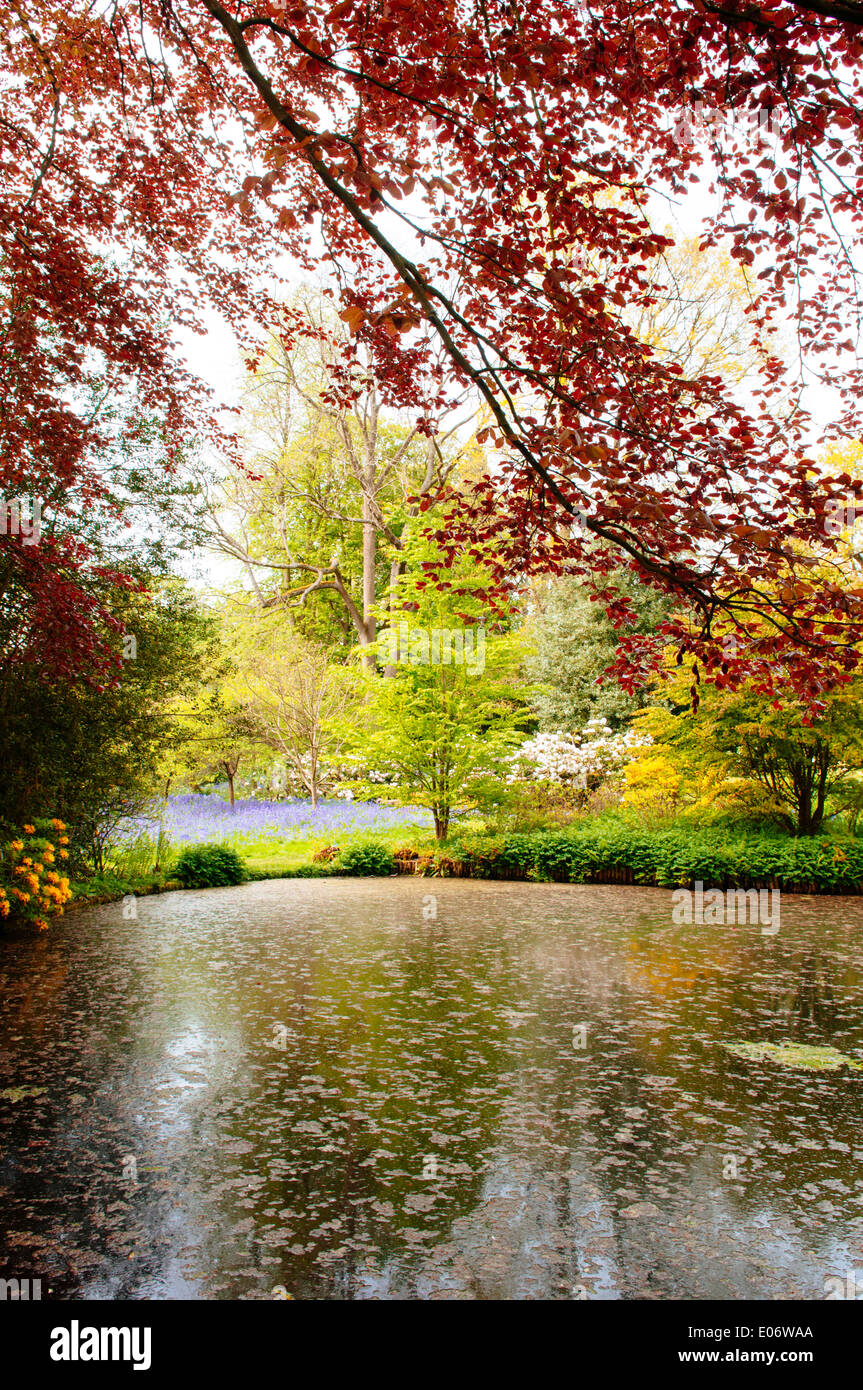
[
  {"x": 770, "y": 761},
  {"x": 293, "y": 697},
  {"x": 451, "y": 709}
]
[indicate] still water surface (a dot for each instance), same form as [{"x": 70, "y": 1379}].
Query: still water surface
[{"x": 312, "y": 1086}]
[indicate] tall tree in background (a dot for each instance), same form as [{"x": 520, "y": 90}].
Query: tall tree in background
[
  {"x": 574, "y": 644},
  {"x": 294, "y": 696},
  {"x": 322, "y": 506}
]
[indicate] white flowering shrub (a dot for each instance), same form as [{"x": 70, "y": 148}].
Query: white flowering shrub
[
  {"x": 280, "y": 782},
  {"x": 356, "y": 779},
  {"x": 582, "y": 760}
]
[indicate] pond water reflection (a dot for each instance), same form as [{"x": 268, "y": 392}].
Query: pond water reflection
[{"x": 311, "y": 1084}]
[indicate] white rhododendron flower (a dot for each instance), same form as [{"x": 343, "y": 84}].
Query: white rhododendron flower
[{"x": 595, "y": 753}]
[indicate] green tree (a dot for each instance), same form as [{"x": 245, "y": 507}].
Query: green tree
[
  {"x": 91, "y": 754},
  {"x": 770, "y": 760},
  {"x": 572, "y": 643},
  {"x": 451, "y": 709},
  {"x": 213, "y": 737}
]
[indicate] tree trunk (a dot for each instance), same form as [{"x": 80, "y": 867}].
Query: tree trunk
[
  {"x": 809, "y": 822},
  {"x": 811, "y": 783},
  {"x": 369, "y": 557},
  {"x": 163, "y": 809},
  {"x": 441, "y": 822},
  {"x": 396, "y": 568}
]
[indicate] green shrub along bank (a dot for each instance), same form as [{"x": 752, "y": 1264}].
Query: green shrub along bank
[
  {"x": 209, "y": 866},
  {"x": 366, "y": 858},
  {"x": 604, "y": 853},
  {"x": 666, "y": 859}
]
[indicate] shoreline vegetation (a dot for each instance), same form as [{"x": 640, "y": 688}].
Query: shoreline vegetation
[{"x": 593, "y": 852}]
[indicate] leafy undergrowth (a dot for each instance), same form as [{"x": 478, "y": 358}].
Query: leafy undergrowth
[
  {"x": 106, "y": 888},
  {"x": 609, "y": 852},
  {"x": 602, "y": 851}
]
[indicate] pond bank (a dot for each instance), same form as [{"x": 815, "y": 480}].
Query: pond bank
[
  {"x": 592, "y": 853},
  {"x": 609, "y": 852}
]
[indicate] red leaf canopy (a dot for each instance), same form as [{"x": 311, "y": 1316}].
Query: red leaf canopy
[{"x": 480, "y": 180}]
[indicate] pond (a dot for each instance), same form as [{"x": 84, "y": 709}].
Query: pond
[{"x": 415, "y": 1088}]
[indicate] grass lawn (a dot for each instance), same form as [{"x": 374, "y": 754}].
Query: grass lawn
[{"x": 272, "y": 857}]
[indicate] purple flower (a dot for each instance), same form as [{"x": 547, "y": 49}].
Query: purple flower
[{"x": 195, "y": 819}]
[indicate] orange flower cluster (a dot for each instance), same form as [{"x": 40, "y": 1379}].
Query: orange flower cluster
[{"x": 30, "y": 890}]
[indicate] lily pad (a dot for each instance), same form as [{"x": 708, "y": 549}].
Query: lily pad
[
  {"x": 794, "y": 1055},
  {"x": 15, "y": 1093}
]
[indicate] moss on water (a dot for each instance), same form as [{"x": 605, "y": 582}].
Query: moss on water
[{"x": 794, "y": 1055}]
